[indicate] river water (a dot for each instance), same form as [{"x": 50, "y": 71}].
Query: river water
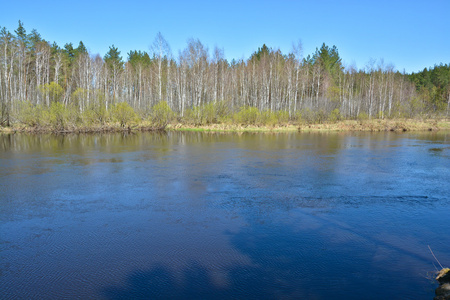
[{"x": 213, "y": 215}]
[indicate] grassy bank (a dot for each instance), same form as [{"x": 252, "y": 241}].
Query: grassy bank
[
  {"x": 397, "y": 125},
  {"x": 82, "y": 129}
]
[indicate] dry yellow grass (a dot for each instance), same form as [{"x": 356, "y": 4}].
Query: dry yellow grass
[
  {"x": 398, "y": 125},
  {"x": 348, "y": 125}
]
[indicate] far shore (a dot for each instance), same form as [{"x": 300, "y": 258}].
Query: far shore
[
  {"x": 347, "y": 125},
  {"x": 377, "y": 125}
]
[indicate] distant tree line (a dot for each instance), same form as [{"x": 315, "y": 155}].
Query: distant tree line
[
  {"x": 433, "y": 87},
  {"x": 203, "y": 86}
]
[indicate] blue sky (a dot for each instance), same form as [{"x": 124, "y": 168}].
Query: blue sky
[{"x": 411, "y": 34}]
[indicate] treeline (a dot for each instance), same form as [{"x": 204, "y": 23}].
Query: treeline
[
  {"x": 39, "y": 79},
  {"x": 433, "y": 86}
]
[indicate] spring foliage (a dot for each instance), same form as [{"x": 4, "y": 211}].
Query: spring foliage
[{"x": 43, "y": 84}]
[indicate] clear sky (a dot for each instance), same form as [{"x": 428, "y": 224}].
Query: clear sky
[{"x": 410, "y": 34}]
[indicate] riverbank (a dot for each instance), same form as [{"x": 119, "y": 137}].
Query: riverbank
[
  {"x": 396, "y": 125},
  {"x": 109, "y": 128}
]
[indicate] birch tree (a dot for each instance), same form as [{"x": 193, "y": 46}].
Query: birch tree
[{"x": 160, "y": 49}]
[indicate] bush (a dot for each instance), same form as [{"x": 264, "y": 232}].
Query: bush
[
  {"x": 321, "y": 116},
  {"x": 363, "y": 116},
  {"x": 99, "y": 112},
  {"x": 268, "y": 117},
  {"x": 307, "y": 116},
  {"x": 209, "y": 113},
  {"x": 334, "y": 116},
  {"x": 30, "y": 114},
  {"x": 222, "y": 111},
  {"x": 94, "y": 115},
  {"x": 56, "y": 115},
  {"x": 298, "y": 117},
  {"x": 283, "y": 117},
  {"x": 123, "y": 113},
  {"x": 59, "y": 116},
  {"x": 161, "y": 114},
  {"x": 247, "y": 115},
  {"x": 193, "y": 116}
]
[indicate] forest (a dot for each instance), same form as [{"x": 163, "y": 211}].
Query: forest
[{"x": 45, "y": 85}]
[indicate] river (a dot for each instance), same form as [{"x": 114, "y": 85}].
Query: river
[{"x": 223, "y": 215}]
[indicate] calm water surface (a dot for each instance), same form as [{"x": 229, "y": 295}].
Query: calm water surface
[{"x": 248, "y": 216}]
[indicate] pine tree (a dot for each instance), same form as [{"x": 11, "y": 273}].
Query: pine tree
[
  {"x": 113, "y": 59},
  {"x": 114, "y": 63},
  {"x": 21, "y": 33},
  {"x": 81, "y": 49}
]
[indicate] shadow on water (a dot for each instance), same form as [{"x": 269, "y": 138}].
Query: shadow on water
[
  {"x": 272, "y": 275},
  {"x": 285, "y": 264},
  {"x": 160, "y": 282},
  {"x": 197, "y": 283}
]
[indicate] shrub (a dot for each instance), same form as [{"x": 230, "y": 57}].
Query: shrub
[
  {"x": 99, "y": 112},
  {"x": 335, "y": 115},
  {"x": 161, "y": 114},
  {"x": 247, "y": 115},
  {"x": 320, "y": 116},
  {"x": 307, "y": 116},
  {"x": 94, "y": 115},
  {"x": 58, "y": 116},
  {"x": 268, "y": 117},
  {"x": 30, "y": 114},
  {"x": 208, "y": 113},
  {"x": 222, "y": 111},
  {"x": 123, "y": 113},
  {"x": 193, "y": 116},
  {"x": 363, "y": 116},
  {"x": 283, "y": 117},
  {"x": 298, "y": 117}
]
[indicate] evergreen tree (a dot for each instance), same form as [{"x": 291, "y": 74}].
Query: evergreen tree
[
  {"x": 34, "y": 38},
  {"x": 329, "y": 59},
  {"x": 433, "y": 85},
  {"x": 21, "y": 33},
  {"x": 263, "y": 51},
  {"x": 138, "y": 57},
  {"x": 113, "y": 59},
  {"x": 114, "y": 62},
  {"x": 81, "y": 49},
  {"x": 69, "y": 51},
  {"x": 55, "y": 48}
]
